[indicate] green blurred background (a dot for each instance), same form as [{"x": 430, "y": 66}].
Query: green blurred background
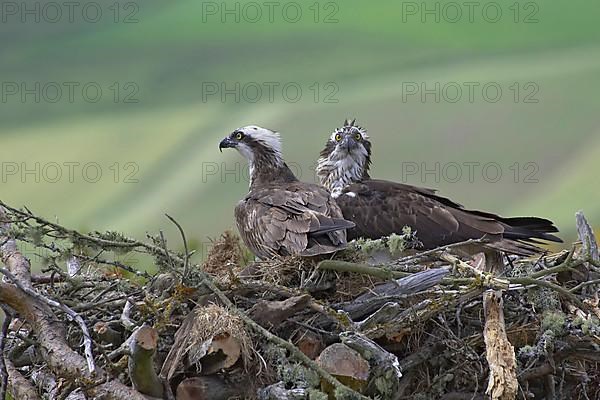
[{"x": 154, "y": 131}]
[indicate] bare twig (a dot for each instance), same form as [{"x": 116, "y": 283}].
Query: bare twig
[
  {"x": 345, "y": 266},
  {"x": 125, "y": 315},
  {"x": 487, "y": 280},
  {"x": 438, "y": 250},
  {"x": 585, "y": 284},
  {"x": 559, "y": 289},
  {"x": 185, "y": 247},
  {"x": 87, "y": 338},
  {"x": 163, "y": 242},
  {"x": 294, "y": 351},
  {"x": 73, "y": 266},
  {"x": 60, "y": 358},
  {"x": 3, "y": 371}
]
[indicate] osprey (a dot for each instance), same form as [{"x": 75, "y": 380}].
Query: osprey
[
  {"x": 280, "y": 215},
  {"x": 380, "y": 208}
]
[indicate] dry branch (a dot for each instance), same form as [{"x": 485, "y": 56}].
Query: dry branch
[
  {"x": 371, "y": 300},
  {"x": 295, "y": 352},
  {"x": 211, "y": 339},
  {"x": 432, "y": 323},
  {"x": 500, "y": 354},
  {"x": 209, "y": 388},
  {"x": 587, "y": 237},
  {"x": 143, "y": 343},
  {"x": 61, "y": 359},
  {"x": 272, "y": 313},
  {"x": 385, "y": 371},
  {"x": 278, "y": 391},
  {"x": 345, "y": 364},
  {"x": 18, "y": 386}
]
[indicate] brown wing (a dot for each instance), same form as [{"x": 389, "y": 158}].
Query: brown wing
[
  {"x": 380, "y": 208},
  {"x": 294, "y": 219}
]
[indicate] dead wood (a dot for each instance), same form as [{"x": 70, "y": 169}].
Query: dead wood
[
  {"x": 209, "y": 339},
  {"x": 19, "y": 386},
  {"x": 209, "y": 388},
  {"x": 272, "y": 313},
  {"x": 308, "y": 342},
  {"x": 500, "y": 354},
  {"x": 278, "y": 391},
  {"x": 433, "y": 324},
  {"x": 61, "y": 359},
  {"x": 588, "y": 278},
  {"x": 346, "y": 364},
  {"x": 371, "y": 300},
  {"x": 385, "y": 373},
  {"x": 143, "y": 343},
  {"x": 587, "y": 237}
]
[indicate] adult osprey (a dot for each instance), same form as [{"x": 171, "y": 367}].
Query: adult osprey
[
  {"x": 281, "y": 215},
  {"x": 380, "y": 208}
]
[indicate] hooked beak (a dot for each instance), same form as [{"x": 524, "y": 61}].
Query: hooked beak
[
  {"x": 227, "y": 143},
  {"x": 348, "y": 143}
]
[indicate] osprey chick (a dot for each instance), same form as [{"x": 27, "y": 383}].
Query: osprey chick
[
  {"x": 281, "y": 215},
  {"x": 380, "y": 208}
]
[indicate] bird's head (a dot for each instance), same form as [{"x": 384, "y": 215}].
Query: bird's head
[
  {"x": 349, "y": 139},
  {"x": 255, "y": 143},
  {"x": 262, "y": 148},
  {"x": 346, "y": 157}
]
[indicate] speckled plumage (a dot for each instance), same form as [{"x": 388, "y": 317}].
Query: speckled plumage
[
  {"x": 380, "y": 208},
  {"x": 280, "y": 215}
]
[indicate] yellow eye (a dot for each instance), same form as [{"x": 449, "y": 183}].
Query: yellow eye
[
  {"x": 239, "y": 136},
  {"x": 357, "y": 136},
  {"x": 338, "y": 137}
]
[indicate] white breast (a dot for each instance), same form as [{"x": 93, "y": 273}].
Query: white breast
[{"x": 337, "y": 172}]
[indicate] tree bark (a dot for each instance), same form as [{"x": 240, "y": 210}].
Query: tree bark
[
  {"x": 500, "y": 354},
  {"x": 143, "y": 375},
  {"x": 60, "y": 358}
]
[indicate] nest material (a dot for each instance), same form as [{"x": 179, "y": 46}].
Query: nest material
[
  {"x": 209, "y": 338},
  {"x": 225, "y": 258},
  {"x": 250, "y": 330}
]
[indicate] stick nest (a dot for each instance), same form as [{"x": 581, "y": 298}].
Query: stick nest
[{"x": 236, "y": 328}]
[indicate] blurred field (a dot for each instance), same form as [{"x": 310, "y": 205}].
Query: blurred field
[{"x": 164, "y": 147}]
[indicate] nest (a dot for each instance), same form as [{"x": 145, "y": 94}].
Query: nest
[
  {"x": 378, "y": 320},
  {"x": 209, "y": 339}
]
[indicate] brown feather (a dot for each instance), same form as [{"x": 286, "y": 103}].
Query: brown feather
[
  {"x": 280, "y": 215},
  {"x": 294, "y": 218},
  {"x": 380, "y": 208}
]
